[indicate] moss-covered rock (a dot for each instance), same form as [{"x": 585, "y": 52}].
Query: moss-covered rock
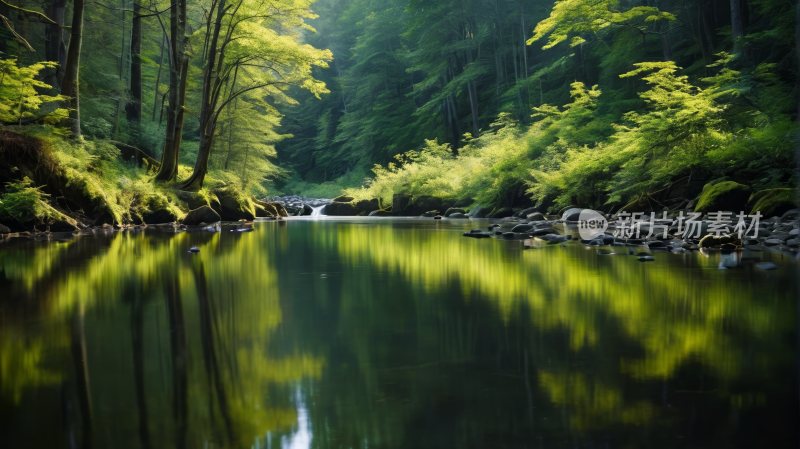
[
  {"x": 343, "y": 199},
  {"x": 772, "y": 202},
  {"x": 203, "y": 214},
  {"x": 723, "y": 196}
]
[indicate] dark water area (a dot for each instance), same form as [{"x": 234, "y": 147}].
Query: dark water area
[{"x": 390, "y": 333}]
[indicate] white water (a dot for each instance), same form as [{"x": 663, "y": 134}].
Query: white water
[{"x": 317, "y": 211}]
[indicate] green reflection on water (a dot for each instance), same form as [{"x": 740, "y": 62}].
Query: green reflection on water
[{"x": 405, "y": 328}]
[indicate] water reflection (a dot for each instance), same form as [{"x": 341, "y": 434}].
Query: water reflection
[{"x": 414, "y": 337}]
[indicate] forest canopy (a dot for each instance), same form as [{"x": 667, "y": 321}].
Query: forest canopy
[{"x": 590, "y": 103}]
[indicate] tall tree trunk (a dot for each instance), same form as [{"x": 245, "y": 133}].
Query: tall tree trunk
[
  {"x": 211, "y": 68},
  {"x": 705, "y": 19},
  {"x": 665, "y": 45},
  {"x": 134, "y": 108},
  {"x": 208, "y": 113},
  {"x": 69, "y": 85},
  {"x": 524, "y": 61},
  {"x": 55, "y": 49},
  {"x": 123, "y": 88},
  {"x": 472, "y": 90},
  {"x": 158, "y": 77},
  {"x": 737, "y": 31},
  {"x": 179, "y": 67}
]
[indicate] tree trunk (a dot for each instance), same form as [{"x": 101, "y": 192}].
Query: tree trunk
[
  {"x": 158, "y": 77},
  {"x": 524, "y": 47},
  {"x": 665, "y": 45},
  {"x": 134, "y": 108},
  {"x": 179, "y": 67},
  {"x": 472, "y": 90},
  {"x": 69, "y": 85},
  {"x": 211, "y": 68},
  {"x": 737, "y": 31},
  {"x": 123, "y": 90},
  {"x": 55, "y": 49}
]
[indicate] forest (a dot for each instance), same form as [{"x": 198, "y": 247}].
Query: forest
[{"x": 135, "y": 111}]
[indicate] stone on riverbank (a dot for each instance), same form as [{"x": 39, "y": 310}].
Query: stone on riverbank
[
  {"x": 204, "y": 214},
  {"x": 723, "y": 196},
  {"x": 772, "y": 202}
]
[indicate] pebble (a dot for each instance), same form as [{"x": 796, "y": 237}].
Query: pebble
[{"x": 194, "y": 249}]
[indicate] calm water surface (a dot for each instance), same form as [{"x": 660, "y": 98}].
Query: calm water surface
[{"x": 380, "y": 333}]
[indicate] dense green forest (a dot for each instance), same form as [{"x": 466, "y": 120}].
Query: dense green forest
[{"x": 137, "y": 108}]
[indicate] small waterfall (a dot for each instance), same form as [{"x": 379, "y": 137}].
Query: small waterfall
[{"x": 317, "y": 211}]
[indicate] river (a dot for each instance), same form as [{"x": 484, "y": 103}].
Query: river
[{"x": 389, "y": 333}]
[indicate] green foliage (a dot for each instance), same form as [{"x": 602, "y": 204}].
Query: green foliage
[
  {"x": 24, "y": 203},
  {"x": 20, "y": 97}
]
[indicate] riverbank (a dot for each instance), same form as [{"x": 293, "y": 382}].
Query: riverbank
[{"x": 49, "y": 183}]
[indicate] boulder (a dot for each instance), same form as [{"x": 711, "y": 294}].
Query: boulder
[
  {"x": 459, "y": 216},
  {"x": 522, "y": 228},
  {"x": 400, "y": 203},
  {"x": 368, "y": 205},
  {"x": 432, "y": 213},
  {"x": 160, "y": 217},
  {"x": 232, "y": 210},
  {"x": 525, "y": 212},
  {"x": 340, "y": 210},
  {"x": 536, "y": 216},
  {"x": 772, "y": 202},
  {"x": 723, "y": 196},
  {"x": 380, "y": 213},
  {"x": 203, "y": 214},
  {"x": 4, "y": 229},
  {"x": 502, "y": 213},
  {"x": 425, "y": 203},
  {"x": 572, "y": 214},
  {"x": 454, "y": 210},
  {"x": 273, "y": 209},
  {"x": 343, "y": 199}
]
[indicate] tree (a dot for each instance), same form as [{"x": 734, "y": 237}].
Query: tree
[
  {"x": 178, "y": 79},
  {"x": 70, "y": 82},
  {"x": 248, "y": 53}
]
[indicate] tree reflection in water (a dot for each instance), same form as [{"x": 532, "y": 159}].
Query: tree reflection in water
[{"x": 415, "y": 337}]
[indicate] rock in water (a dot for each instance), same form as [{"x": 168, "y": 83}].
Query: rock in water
[
  {"x": 454, "y": 210},
  {"x": 194, "y": 249},
  {"x": 459, "y": 216},
  {"x": 204, "y": 214},
  {"x": 647, "y": 259},
  {"x": 767, "y": 266},
  {"x": 4, "y": 229},
  {"x": 522, "y": 228},
  {"x": 536, "y": 216}
]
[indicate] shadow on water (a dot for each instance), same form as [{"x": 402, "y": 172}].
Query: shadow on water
[{"x": 390, "y": 333}]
